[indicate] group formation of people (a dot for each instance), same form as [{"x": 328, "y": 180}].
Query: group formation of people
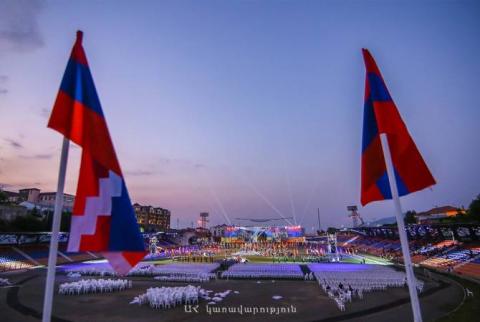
[
  {"x": 197, "y": 258},
  {"x": 215, "y": 297},
  {"x": 5, "y": 282},
  {"x": 180, "y": 269},
  {"x": 175, "y": 268},
  {"x": 342, "y": 285},
  {"x": 247, "y": 270},
  {"x": 186, "y": 277},
  {"x": 74, "y": 274},
  {"x": 91, "y": 271},
  {"x": 168, "y": 297},
  {"x": 94, "y": 286},
  {"x": 309, "y": 277}
]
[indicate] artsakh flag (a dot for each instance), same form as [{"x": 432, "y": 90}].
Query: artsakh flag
[
  {"x": 103, "y": 219},
  {"x": 381, "y": 116}
]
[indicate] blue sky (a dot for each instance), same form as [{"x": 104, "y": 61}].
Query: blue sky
[{"x": 226, "y": 104}]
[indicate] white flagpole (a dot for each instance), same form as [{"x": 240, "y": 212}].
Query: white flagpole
[
  {"x": 57, "y": 216},
  {"x": 412, "y": 284}
]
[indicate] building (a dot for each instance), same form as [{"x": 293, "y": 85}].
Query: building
[
  {"x": 438, "y": 213},
  {"x": 12, "y": 197},
  {"x": 203, "y": 220},
  {"x": 152, "y": 218},
  {"x": 29, "y": 194},
  {"x": 47, "y": 199},
  {"x": 41, "y": 200}
]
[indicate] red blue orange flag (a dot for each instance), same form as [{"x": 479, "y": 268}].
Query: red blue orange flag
[
  {"x": 103, "y": 219},
  {"x": 381, "y": 116}
]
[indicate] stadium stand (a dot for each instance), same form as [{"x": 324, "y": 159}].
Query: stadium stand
[
  {"x": 445, "y": 255},
  {"x": 27, "y": 256},
  {"x": 11, "y": 260},
  {"x": 470, "y": 269}
]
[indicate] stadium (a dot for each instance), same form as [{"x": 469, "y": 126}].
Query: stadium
[
  {"x": 194, "y": 159},
  {"x": 262, "y": 278}
]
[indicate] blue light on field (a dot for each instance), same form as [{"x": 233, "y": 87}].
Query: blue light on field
[{"x": 340, "y": 267}]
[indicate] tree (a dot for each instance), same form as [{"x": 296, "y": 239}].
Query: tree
[
  {"x": 66, "y": 219},
  {"x": 474, "y": 209},
  {"x": 4, "y": 225},
  {"x": 64, "y": 222},
  {"x": 410, "y": 217},
  {"x": 331, "y": 230},
  {"x": 35, "y": 212},
  {"x": 3, "y": 196},
  {"x": 27, "y": 223}
]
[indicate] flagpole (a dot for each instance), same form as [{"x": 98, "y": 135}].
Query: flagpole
[
  {"x": 412, "y": 285},
  {"x": 57, "y": 216}
]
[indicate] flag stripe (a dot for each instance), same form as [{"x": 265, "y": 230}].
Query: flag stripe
[
  {"x": 383, "y": 186},
  {"x": 378, "y": 90},
  {"x": 78, "y": 84},
  {"x": 382, "y": 116},
  {"x": 124, "y": 223},
  {"x": 86, "y": 128},
  {"x": 370, "y": 131}
]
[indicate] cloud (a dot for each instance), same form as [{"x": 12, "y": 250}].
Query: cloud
[
  {"x": 139, "y": 173},
  {"x": 3, "y": 91},
  {"x": 39, "y": 156},
  {"x": 19, "y": 29},
  {"x": 164, "y": 160},
  {"x": 14, "y": 143},
  {"x": 180, "y": 163},
  {"x": 44, "y": 112},
  {"x": 172, "y": 164}
]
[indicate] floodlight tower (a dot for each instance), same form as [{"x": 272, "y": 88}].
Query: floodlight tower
[
  {"x": 203, "y": 219},
  {"x": 357, "y": 219}
]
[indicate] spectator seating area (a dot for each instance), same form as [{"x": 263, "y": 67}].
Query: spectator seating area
[
  {"x": 451, "y": 258},
  {"x": 166, "y": 244},
  {"x": 446, "y": 255},
  {"x": 431, "y": 249},
  {"x": 27, "y": 256},
  {"x": 470, "y": 269},
  {"x": 11, "y": 260},
  {"x": 372, "y": 245},
  {"x": 424, "y": 252}
]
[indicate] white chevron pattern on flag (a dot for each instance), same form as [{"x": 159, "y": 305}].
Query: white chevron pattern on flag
[
  {"x": 118, "y": 261},
  {"x": 101, "y": 205}
]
